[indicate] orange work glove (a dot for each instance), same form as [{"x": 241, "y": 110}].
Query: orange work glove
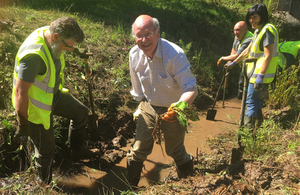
[
  {"x": 171, "y": 115},
  {"x": 220, "y": 61}
]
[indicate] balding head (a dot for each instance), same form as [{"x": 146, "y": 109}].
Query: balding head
[
  {"x": 144, "y": 20},
  {"x": 145, "y": 30},
  {"x": 240, "y": 30}
]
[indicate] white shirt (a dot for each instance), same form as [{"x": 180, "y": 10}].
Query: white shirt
[{"x": 163, "y": 79}]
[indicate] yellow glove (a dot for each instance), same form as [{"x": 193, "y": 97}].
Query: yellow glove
[
  {"x": 136, "y": 115},
  {"x": 220, "y": 61}
]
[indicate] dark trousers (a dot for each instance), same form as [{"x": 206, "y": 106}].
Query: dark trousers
[
  {"x": 43, "y": 140},
  {"x": 241, "y": 84}
]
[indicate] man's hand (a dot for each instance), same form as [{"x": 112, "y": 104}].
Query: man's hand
[
  {"x": 171, "y": 115},
  {"x": 229, "y": 65},
  {"x": 258, "y": 82},
  {"x": 136, "y": 115},
  {"x": 22, "y": 133},
  {"x": 220, "y": 61}
]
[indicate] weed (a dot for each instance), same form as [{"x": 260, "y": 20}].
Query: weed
[
  {"x": 262, "y": 142},
  {"x": 285, "y": 91}
]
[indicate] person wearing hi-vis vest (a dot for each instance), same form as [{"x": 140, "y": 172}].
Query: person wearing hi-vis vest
[
  {"x": 264, "y": 47},
  {"x": 38, "y": 93},
  {"x": 242, "y": 38},
  {"x": 289, "y": 53}
]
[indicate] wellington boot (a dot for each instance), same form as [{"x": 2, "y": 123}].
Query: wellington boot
[
  {"x": 259, "y": 119},
  {"x": 134, "y": 170},
  {"x": 249, "y": 122},
  {"x": 82, "y": 153},
  {"x": 78, "y": 151},
  {"x": 45, "y": 174},
  {"x": 76, "y": 138},
  {"x": 186, "y": 169}
]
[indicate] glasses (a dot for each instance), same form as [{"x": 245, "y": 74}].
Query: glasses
[
  {"x": 147, "y": 35},
  {"x": 67, "y": 46}
]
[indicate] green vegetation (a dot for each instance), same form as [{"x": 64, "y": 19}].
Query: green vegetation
[
  {"x": 203, "y": 28},
  {"x": 285, "y": 92}
]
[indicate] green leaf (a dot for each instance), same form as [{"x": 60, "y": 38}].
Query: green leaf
[
  {"x": 182, "y": 105},
  {"x": 183, "y": 121},
  {"x": 184, "y": 113}
]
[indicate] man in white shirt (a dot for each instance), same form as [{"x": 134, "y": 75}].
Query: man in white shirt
[{"x": 160, "y": 75}]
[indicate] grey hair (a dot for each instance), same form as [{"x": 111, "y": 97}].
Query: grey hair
[
  {"x": 67, "y": 28},
  {"x": 155, "y": 22}
]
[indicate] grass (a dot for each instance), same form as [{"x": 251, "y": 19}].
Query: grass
[
  {"x": 181, "y": 22},
  {"x": 203, "y": 28}
]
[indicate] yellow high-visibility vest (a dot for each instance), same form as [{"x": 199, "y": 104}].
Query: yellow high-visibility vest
[
  {"x": 291, "y": 47},
  {"x": 256, "y": 52},
  {"x": 248, "y": 35},
  {"x": 41, "y": 91}
]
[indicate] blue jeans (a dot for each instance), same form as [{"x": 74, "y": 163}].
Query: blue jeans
[{"x": 253, "y": 101}]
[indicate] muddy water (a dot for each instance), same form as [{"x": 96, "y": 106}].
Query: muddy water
[{"x": 156, "y": 166}]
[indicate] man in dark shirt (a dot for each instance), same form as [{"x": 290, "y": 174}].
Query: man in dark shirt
[{"x": 241, "y": 41}]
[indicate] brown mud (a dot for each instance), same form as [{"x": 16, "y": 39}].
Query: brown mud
[
  {"x": 213, "y": 172},
  {"x": 158, "y": 165}
]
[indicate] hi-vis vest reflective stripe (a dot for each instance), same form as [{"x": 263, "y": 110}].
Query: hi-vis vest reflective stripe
[
  {"x": 41, "y": 91},
  {"x": 291, "y": 47},
  {"x": 248, "y": 35},
  {"x": 256, "y": 52}
]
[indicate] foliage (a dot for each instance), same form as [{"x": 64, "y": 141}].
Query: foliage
[
  {"x": 271, "y": 5},
  {"x": 267, "y": 141},
  {"x": 184, "y": 113},
  {"x": 285, "y": 91},
  {"x": 260, "y": 142},
  {"x": 203, "y": 28}
]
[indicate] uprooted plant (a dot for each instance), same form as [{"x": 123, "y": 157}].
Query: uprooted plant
[{"x": 181, "y": 111}]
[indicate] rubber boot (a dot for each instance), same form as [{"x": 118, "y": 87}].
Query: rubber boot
[
  {"x": 250, "y": 124},
  {"x": 45, "y": 174},
  {"x": 186, "y": 169},
  {"x": 76, "y": 140},
  {"x": 134, "y": 170},
  {"x": 259, "y": 119}
]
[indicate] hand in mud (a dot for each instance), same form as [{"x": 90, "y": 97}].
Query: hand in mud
[{"x": 22, "y": 133}]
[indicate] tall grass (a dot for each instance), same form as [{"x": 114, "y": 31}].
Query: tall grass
[{"x": 285, "y": 91}]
